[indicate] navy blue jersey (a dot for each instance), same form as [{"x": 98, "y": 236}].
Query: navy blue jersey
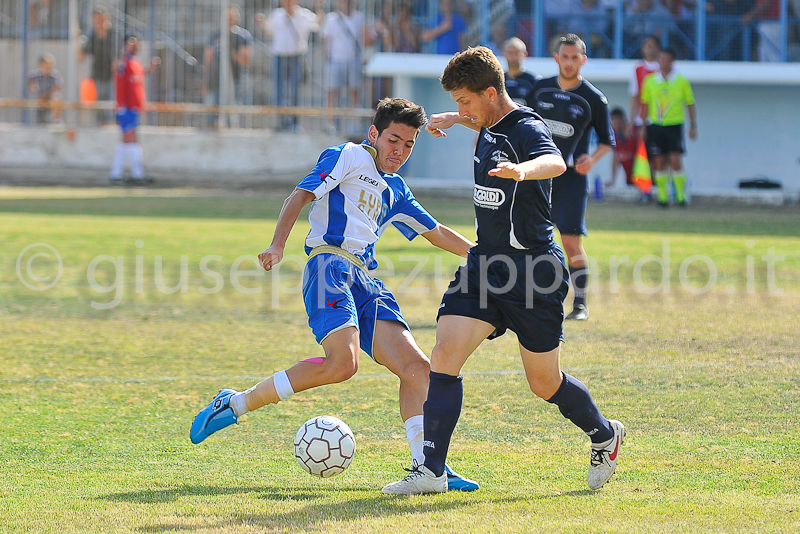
[
  {"x": 512, "y": 216},
  {"x": 572, "y": 114},
  {"x": 521, "y": 88}
]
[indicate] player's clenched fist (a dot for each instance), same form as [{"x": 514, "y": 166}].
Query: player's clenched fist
[{"x": 270, "y": 257}]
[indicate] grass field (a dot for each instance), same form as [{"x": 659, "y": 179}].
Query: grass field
[{"x": 696, "y": 350}]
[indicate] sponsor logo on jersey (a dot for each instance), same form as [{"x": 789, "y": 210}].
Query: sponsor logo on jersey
[
  {"x": 489, "y": 138},
  {"x": 488, "y": 197},
  {"x": 560, "y": 129},
  {"x": 365, "y": 178},
  {"x": 545, "y": 105},
  {"x": 575, "y": 111},
  {"x": 561, "y": 96},
  {"x": 499, "y": 155}
]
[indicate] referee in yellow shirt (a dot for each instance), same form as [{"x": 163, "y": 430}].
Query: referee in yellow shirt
[{"x": 666, "y": 96}]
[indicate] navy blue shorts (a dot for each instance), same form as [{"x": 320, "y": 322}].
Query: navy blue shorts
[
  {"x": 570, "y": 193},
  {"x": 522, "y": 292}
]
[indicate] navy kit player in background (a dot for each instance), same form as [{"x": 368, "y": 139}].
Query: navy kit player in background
[
  {"x": 572, "y": 108},
  {"x": 519, "y": 82},
  {"x": 515, "y": 277},
  {"x": 357, "y": 195}
]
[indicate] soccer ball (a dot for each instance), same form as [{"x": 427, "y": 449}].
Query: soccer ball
[{"x": 324, "y": 446}]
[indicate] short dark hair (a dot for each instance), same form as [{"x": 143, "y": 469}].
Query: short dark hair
[
  {"x": 474, "y": 69},
  {"x": 400, "y": 111},
  {"x": 618, "y": 112},
  {"x": 571, "y": 39},
  {"x": 653, "y": 38},
  {"x": 669, "y": 50}
]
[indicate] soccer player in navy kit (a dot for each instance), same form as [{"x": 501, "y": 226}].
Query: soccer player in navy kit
[
  {"x": 572, "y": 108},
  {"x": 519, "y": 82},
  {"x": 515, "y": 277}
]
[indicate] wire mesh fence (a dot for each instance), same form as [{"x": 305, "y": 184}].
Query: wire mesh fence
[{"x": 298, "y": 64}]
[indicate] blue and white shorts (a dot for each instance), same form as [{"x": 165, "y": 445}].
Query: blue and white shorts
[{"x": 338, "y": 294}]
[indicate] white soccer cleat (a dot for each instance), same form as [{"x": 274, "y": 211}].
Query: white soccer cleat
[
  {"x": 419, "y": 480},
  {"x": 603, "y": 461}
]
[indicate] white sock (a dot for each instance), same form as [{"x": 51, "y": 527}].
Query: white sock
[
  {"x": 135, "y": 156},
  {"x": 238, "y": 404},
  {"x": 415, "y": 434},
  {"x": 119, "y": 161},
  {"x": 282, "y": 385}
]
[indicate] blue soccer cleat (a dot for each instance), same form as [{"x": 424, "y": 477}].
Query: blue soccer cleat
[
  {"x": 456, "y": 482},
  {"x": 213, "y": 417}
]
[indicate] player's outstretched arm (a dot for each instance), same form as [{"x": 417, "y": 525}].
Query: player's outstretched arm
[
  {"x": 439, "y": 122},
  {"x": 448, "y": 239},
  {"x": 289, "y": 213},
  {"x": 541, "y": 168}
]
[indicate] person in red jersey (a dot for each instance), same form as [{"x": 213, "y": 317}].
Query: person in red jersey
[{"x": 130, "y": 103}]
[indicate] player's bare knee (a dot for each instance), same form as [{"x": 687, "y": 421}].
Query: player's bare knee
[
  {"x": 417, "y": 371},
  {"x": 543, "y": 387}
]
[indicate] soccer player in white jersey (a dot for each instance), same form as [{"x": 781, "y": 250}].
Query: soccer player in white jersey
[{"x": 357, "y": 195}]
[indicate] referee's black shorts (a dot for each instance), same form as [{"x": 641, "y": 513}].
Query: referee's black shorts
[
  {"x": 523, "y": 292},
  {"x": 664, "y": 139}
]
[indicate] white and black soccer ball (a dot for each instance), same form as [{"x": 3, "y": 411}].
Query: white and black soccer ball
[{"x": 324, "y": 446}]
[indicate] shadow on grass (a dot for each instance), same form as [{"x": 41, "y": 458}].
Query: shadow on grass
[{"x": 316, "y": 507}]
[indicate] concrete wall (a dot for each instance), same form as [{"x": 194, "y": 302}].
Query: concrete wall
[{"x": 194, "y": 156}]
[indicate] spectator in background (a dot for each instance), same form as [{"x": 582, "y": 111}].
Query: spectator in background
[
  {"x": 591, "y": 25},
  {"x": 131, "y": 102},
  {"x": 345, "y": 36},
  {"x": 101, "y": 44},
  {"x": 240, "y": 47},
  {"x": 44, "y": 84},
  {"x": 498, "y": 35},
  {"x": 406, "y": 34},
  {"x": 724, "y": 29},
  {"x": 520, "y": 83},
  {"x": 449, "y": 30},
  {"x": 766, "y": 13},
  {"x": 651, "y": 51},
  {"x": 625, "y": 150},
  {"x": 645, "y": 18},
  {"x": 290, "y": 26}
]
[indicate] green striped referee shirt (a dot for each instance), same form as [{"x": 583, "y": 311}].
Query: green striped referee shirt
[{"x": 666, "y": 98}]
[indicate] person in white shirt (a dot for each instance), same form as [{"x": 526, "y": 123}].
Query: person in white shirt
[
  {"x": 345, "y": 36},
  {"x": 289, "y": 27}
]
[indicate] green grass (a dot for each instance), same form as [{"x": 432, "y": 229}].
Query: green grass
[{"x": 96, "y": 404}]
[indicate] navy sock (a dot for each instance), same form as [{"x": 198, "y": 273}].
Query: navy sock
[
  {"x": 576, "y": 404},
  {"x": 441, "y": 410},
  {"x": 579, "y": 276}
]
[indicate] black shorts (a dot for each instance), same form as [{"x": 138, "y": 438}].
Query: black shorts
[
  {"x": 570, "y": 193},
  {"x": 523, "y": 292},
  {"x": 664, "y": 139}
]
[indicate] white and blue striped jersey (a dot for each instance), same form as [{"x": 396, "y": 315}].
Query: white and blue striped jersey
[{"x": 355, "y": 203}]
